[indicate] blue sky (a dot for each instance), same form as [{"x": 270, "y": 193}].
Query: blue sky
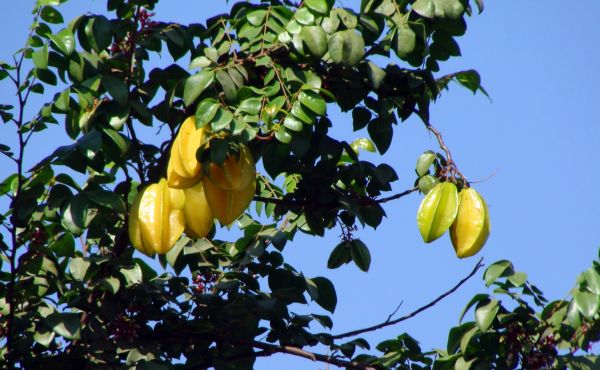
[{"x": 538, "y": 137}]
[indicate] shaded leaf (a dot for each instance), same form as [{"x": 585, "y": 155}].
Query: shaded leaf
[
  {"x": 360, "y": 254},
  {"x": 196, "y": 84},
  {"x": 65, "y": 324},
  {"x": 51, "y": 15},
  {"x": 327, "y": 296},
  {"x": 339, "y": 255},
  {"x": 116, "y": 88}
]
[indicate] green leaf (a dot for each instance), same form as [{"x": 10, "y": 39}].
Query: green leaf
[
  {"x": 319, "y": 6},
  {"x": 116, "y": 88},
  {"x": 111, "y": 284},
  {"x": 404, "y": 41},
  {"x": 381, "y": 133},
  {"x": 360, "y": 254},
  {"x": 200, "y": 62},
  {"x": 346, "y": 47},
  {"x": 293, "y": 123},
  {"x": 107, "y": 199},
  {"x": 518, "y": 279},
  {"x": 587, "y": 303},
  {"x": 466, "y": 339},
  {"x": 66, "y": 325},
  {"x": 363, "y": 144},
  {"x": 256, "y": 17},
  {"x": 206, "y": 111},
  {"x": 196, "y": 84},
  {"x": 304, "y": 17},
  {"x": 75, "y": 214},
  {"x": 51, "y": 15},
  {"x": 498, "y": 269},
  {"x": 283, "y": 135},
  {"x": 313, "y": 101},
  {"x": 303, "y": 114},
  {"x": 475, "y": 300},
  {"x": 462, "y": 364},
  {"x": 470, "y": 79},
  {"x": 485, "y": 313},
  {"x": 229, "y": 87},
  {"x": 46, "y": 76},
  {"x": 44, "y": 336},
  {"x": 339, "y": 255},
  {"x": 118, "y": 144},
  {"x": 98, "y": 32},
  {"x": 449, "y": 9},
  {"x": 316, "y": 39},
  {"x": 79, "y": 268},
  {"x": 64, "y": 245},
  {"x": 455, "y": 335},
  {"x": 221, "y": 120},
  {"x": 592, "y": 277},
  {"x": 64, "y": 41},
  {"x": 40, "y": 57},
  {"x": 250, "y": 105},
  {"x": 327, "y": 296},
  {"x": 132, "y": 275}
]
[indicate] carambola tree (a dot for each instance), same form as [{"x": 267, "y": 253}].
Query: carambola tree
[{"x": 249, "y": 142}]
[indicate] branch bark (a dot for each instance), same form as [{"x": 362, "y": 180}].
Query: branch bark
[
  {"x": 272, "y": 348},
  {"x": 389, "y": 322}
]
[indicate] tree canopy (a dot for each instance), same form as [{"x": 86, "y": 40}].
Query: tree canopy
[{"x": 245, "y": 102}]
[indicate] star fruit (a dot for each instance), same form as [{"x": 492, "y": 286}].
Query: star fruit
[
  {"x": 437, "y": 211},
  {"x": 157, "y": 220},
  {"x": 470, "y": 230}
]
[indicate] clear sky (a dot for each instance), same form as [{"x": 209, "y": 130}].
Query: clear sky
[{"x": 538, "y": 137}]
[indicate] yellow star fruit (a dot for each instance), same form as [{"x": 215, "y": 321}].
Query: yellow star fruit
[{"x": 470, "y": 230}]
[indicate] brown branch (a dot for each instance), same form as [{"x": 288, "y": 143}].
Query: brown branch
[
  {"x": 269, "y": 349},
  {"x": 396, "y": 196},
  {"x": 389, "y": 322},
  {"x": 452, "y": 169}
]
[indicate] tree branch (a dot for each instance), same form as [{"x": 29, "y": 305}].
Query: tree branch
[
  {"x": 269, "y": 349},
  {"x": 362, "y": 200},
  {"x": 389, "y": 322}
]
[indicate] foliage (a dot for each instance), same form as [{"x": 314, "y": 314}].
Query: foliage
[{"x": 264, "y": 75}]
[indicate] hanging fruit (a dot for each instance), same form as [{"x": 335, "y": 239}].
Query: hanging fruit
[
  {"x": 437, "y": 211},
  {"x": 157, "y": 220},
  {"x": 236, "y": 172},
  {"x": 227, "y": 205},
  {"x": 198, "y": 215},
  {"x": 183, "y": 169},
  {"x": 471, "y": 228}
]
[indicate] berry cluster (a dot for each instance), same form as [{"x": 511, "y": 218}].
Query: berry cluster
[
  {"x": 123, "y": 328},
  {"x": 538, "y": 354},
  {"x": 203, "y": 282}
]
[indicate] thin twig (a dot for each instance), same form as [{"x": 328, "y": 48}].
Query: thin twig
[
  {"x": 415, "y": 312},
  {"x": 272, "y": 348},
  {"x": 394, "y": 312}
]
